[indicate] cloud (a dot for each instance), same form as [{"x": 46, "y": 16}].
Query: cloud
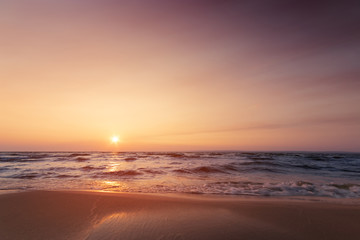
[{"x": 320, "y": 121}]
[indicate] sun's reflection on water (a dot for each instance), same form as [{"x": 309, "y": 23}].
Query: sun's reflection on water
[{"x": 117, "y": 186}]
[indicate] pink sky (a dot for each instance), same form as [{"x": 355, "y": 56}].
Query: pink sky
[{"x": 179, "y": 75}]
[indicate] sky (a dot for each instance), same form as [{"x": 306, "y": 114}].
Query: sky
[{"x": 179, "y": 75}]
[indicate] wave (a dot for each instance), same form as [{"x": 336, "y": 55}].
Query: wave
[
  {"x": 317, "y": 158},
  {"x": 204, "y": 169},
  {"x": 174, "y": 155},
  {"x": 249, "y": 173},
  {"x": 298, "y": 188},
  {"x": 227, "y": 169},
  {"x": 307, "y": 166},
  {"x": 125, "y": 173},
  {"x": 67, "y": 176},
  {"x": 81, "y": 159},
  {"x": 153, "y": 171},
  {"x": 27, "y": 159},
  {"x": 91, "y": 168},
  {"x": 207, "y": 170},
  {"x": 61, "y": 169},
  {"x": 78, "y": 154},
  {"x": 3, "y": 169},
  {"x": 350, "y": 170},
  {"x": 261, "y": 158},
  {"x": 38, "y": 156},
  {"x": 264, "y": 169},
  {"x": 26, "y": 176},
  {"x": 216, "y": 154},
  {"x": 258, "y": 163},
  {"x": 181, "y": 171}
]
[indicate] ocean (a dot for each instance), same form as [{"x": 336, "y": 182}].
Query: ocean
[{"x": 335, "y": 175}]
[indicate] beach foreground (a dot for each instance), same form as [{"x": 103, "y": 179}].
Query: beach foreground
[{"x": 99, "y": 215}]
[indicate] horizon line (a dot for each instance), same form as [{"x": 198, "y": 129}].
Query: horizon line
[{"x": 186, "y": 151}]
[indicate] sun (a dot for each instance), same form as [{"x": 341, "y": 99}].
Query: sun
[{"x": 115, "y": 139}]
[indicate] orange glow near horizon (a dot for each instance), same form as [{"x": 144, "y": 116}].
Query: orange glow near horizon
[{"x": 75, "y": 72}]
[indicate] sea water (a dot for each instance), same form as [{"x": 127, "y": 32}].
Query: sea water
[{"x": 231, "y": 173}]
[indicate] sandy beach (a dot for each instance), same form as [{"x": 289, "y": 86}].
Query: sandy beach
[{"x": 100, "y": 215}]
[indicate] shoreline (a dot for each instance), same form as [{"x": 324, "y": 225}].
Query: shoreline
[
  {"x": 204, "y": 196},
  {"x": 108, "y": 215}
]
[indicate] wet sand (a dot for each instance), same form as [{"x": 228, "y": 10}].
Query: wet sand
[{"x": 95, "y": 215}]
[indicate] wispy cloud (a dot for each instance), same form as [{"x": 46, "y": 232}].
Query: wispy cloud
[{"x": 321, "y": 121}]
